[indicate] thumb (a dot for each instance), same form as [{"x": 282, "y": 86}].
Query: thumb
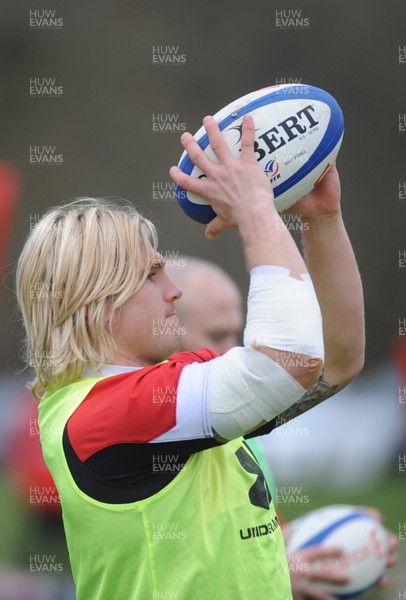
[{"x": 213, "y": 228}]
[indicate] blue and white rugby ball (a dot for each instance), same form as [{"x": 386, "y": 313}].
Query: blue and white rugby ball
[
  {"x": 299, "y": 129},
  {"x": 361, "y": 537}
]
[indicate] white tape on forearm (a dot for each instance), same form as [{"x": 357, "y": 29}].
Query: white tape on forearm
[
  {"x": 283, "y": 312},
  {"x": 247, "y": 387}
]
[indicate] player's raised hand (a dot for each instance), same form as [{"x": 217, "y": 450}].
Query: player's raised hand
[
  {"x": 323, "y": 200},
  {"x": 236, "y": 187}
]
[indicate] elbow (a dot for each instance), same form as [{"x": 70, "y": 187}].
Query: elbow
[
  {"x": 308, "y": 370},
  {"x": 355, "y": 368},
  {"x": 343, "y": 375},
  {"x": 302, "y": 367},
  {"x": 345, "y": 360}
]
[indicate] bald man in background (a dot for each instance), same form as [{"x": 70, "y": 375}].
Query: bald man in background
[{"x": 210, "y": 312}]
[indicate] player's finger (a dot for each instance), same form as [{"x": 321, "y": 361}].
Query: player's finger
[
  {"x": 393, "y": 541},
  {"x": 328, "y": 573},
  {"x": 213, "y": 229},
  {"x": 320, "y": 553},
  {"x": 374, "y": 513},
  {"x": 392, "y": 560},
  {"x": 247, "y": 138},
  {"x": 217, "y": 142},
  {"x": 195, "y": 153},
  {"x": 191, "y": 184}
]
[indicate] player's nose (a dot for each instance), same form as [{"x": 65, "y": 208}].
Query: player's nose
[{"x": 172, "y": 291}]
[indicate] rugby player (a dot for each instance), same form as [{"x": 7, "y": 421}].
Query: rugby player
[{"x": 161, "y": 496}]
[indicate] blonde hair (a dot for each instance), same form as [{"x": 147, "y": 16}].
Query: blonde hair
[{"x": 80, "y": 263}]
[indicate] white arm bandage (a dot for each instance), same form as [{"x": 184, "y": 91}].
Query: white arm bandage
[
  {"x": 283, "y": 312},
  {"x": 246, "y": 386}
]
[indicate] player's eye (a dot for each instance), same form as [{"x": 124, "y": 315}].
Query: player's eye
[
  {"x": 154, "y": 271},
  {"x": 155, "y": 267}
]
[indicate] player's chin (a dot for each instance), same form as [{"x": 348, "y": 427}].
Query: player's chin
[{"x": 171, "y": 343}]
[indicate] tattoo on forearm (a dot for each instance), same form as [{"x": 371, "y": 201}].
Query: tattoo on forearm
[{"x": 317, "y": 393}]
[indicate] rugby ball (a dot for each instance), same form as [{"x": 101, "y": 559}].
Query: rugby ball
[
  {"x": 362, "y": 538},
  {"x": 298, "y": 132}
]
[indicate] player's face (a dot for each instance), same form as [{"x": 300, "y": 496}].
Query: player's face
[{"x": 147, "y": 329}]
